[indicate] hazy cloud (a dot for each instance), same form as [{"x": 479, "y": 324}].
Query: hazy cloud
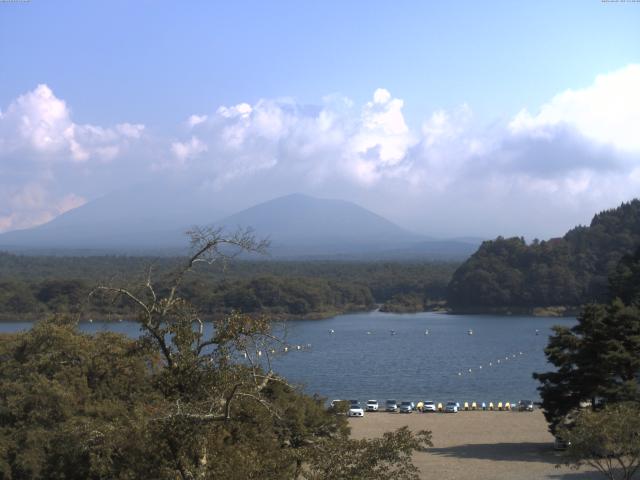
[
  {"x": 32, "y": 204},
  {"x": 534, "y": 174}
]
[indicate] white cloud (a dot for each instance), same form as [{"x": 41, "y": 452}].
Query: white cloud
[
  {"x": 39, "y": 123},
  {"x": 364, "y": 145},
  {"x": 194, "y": 120},
  {"x": 607, "y": 112},
  {"x": 242, "y": 110},
  {"x": 185, "y": 150},
  {"x": 383, "y": 128}
]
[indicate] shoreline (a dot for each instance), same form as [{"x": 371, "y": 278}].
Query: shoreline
[{"x": 559, "y": 312}]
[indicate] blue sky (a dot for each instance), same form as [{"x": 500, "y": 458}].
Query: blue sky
[
  {"x": 151, "y": 62},
  {"x": 155, "y": 64}
]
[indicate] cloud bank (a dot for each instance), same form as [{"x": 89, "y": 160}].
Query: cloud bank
[{"x": 537, "y": 173}]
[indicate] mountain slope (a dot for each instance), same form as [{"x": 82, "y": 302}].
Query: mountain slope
[
  {"x": 145, "y": 217},
  {"x": 310, "y": 223},
  {"x": 570, "y": 271}
]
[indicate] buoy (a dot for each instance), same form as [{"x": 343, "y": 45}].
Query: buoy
[
  {"x": 498, "y": 361},
  {"x": 480, "y": 366},
  {"x": 490, "y": 364},
  {"x": 469, "y": 370},
  {"x": 426, "y": 332},
  {"x": 331, "y": 330},
  {"x": 368, "y": 333},
  {"x": 459, "y": 373}
]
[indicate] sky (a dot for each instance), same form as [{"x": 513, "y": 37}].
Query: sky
[{"x": 450, "y": 118}]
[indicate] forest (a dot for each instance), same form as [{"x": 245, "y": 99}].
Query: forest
[
  {"x": 569, "y": 271},
  {"x": 32, "y": 286},
  {"x": 177, "y": 402}
]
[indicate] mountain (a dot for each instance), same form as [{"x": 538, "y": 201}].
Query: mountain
[
  {"x": 298, "y": 223},
  {"x": 153, "y": 219},
  {"x": 567, "y": 271},
  {"x": 145, "y": 218}
]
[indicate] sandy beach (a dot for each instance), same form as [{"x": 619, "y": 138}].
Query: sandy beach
[{"x": 478, "y": 445}]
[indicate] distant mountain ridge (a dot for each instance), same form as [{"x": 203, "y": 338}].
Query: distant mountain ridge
[
  {"x": 151, "y": 216},
  {"x": 299, "y": 226},
  {"x": 567, "y": 271},
  {"x": 304, "y": 221}
]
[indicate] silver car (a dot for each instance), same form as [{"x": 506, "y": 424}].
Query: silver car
[{"x": 406, "y": 407}]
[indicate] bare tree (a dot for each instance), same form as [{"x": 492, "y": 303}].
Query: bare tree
[{"x": 207, "y": 364}]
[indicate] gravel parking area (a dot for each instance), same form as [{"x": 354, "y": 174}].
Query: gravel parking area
[{"x": 478, "y": 445}]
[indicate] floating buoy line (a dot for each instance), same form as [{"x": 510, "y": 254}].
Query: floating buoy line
[
  {"x": 499, "y": 361},
  {"x": 466, "y": 371}
]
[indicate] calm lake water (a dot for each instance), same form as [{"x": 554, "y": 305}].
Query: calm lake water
[{"x": 363, "y": 360}]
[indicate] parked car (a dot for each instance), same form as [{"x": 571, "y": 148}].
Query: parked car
[
  {"x": 428, "y": 406},
  {"x": 355, "y": 410},
  {"x": 406, "y": 407},
  {"x": 372, "y": 406},
  {"x": 451, "y": 407},
  {"x": 391, "y": 406},
  {"x": 525, "y": 406}
]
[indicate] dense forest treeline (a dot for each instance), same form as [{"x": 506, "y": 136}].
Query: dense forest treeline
[
  {"x": 180, "y": 401},
  {"x": 31, "y": 286},
  {"x": 568, "y": 271}
]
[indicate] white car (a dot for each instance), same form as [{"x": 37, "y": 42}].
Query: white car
[
  {"x": 355, "y": 410},
  {"x": 372, "y": 406},
  {"x": 428, "y": 406}
]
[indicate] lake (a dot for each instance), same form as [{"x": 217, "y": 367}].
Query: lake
[{"x": 362, "y": 359}]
